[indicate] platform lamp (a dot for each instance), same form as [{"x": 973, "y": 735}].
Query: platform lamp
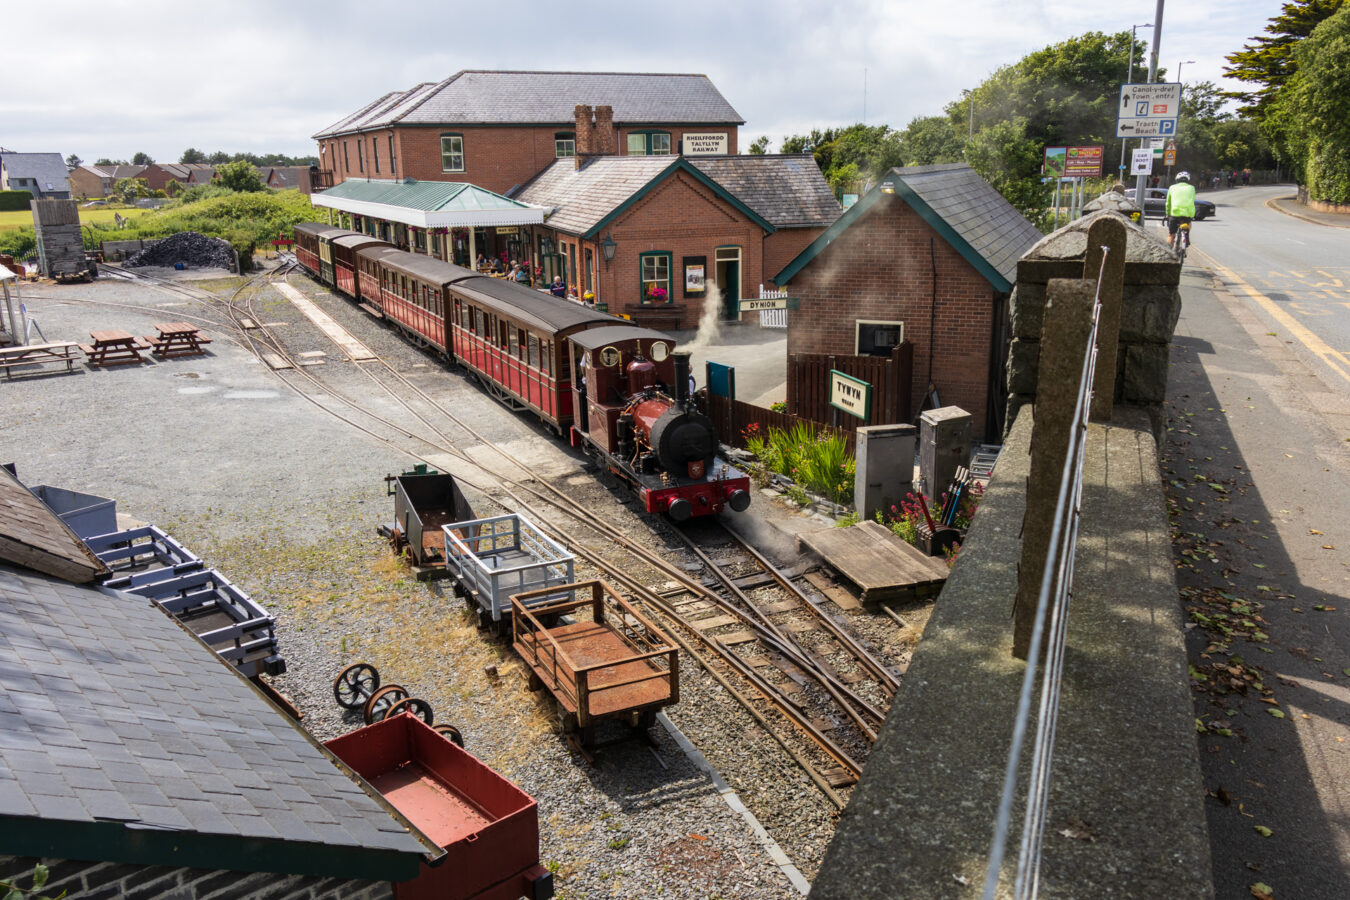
[{"x": 607, "y": 247}]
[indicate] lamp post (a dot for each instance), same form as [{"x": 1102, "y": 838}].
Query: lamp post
[
  {"x": 1129, "y": 77},
  {"x": 970, "y": 96}
]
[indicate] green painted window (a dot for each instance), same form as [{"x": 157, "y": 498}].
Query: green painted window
[
  {"x": 564, "y": 144},
  {"x": 655, "y": 274},
  {"x": 649, "y": 143}
]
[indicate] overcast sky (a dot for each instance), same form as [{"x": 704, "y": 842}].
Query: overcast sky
[{"x": 113, "y": 78}]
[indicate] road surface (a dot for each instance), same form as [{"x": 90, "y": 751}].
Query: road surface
[{"x": 1257, "y": 463}]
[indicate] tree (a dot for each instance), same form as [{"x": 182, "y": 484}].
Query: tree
[
  {"x": 1310, "y": 115},
  {"x": 220, "y": 157},
  {"x": 129, "y": 190},
  {"x": 105, "y": 161},
  {"x": 849, "y": 156},
  {"x": 73, "y": 161},
  {"x": 1267, "y": 63},
  {"x": 239, "y": 176},
  {"x": 192, "y": 155},
  {"x": 929, "y": 140},
  {"x": 142, "y": 159},
  {"x": 759, "y": 146}
]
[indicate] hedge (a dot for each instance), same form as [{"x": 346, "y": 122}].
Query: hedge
[{"x": 13, "y": 201}]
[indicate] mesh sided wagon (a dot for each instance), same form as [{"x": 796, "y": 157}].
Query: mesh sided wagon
[{"x": 494, "y": 558}]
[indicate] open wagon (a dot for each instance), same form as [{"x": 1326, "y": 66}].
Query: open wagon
[
  {"x": 150, "y": 563},
  {"x": 605, "y": 660},
  {"x": 488, "y": 827},
  {"x": 423, "y": 503},
  {"x": 492, "y": 559}
]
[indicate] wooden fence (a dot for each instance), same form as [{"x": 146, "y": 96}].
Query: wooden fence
[{"x": 890, "y": 377}]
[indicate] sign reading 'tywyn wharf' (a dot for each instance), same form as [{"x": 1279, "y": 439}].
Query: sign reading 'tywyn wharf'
[{"x": 852, "y": 395}]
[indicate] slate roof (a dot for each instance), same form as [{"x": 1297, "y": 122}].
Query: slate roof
[
  {"x": 546, "y": 98},
  {"x": 583, "y": 197},
  {"x": 44, "y": 168},
  {"x": 985, "y": 229},
  {"x": 119, "y": 727},
  {"x": 787, "y": 189},
  {"x": 32, "y": 535}
]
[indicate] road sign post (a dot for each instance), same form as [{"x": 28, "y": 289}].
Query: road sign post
[{"x": 1148, "y": 110}]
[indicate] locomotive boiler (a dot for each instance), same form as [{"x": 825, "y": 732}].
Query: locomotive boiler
[{"x": 640, "y": 419}]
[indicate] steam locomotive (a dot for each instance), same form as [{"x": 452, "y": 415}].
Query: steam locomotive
[{"x": 614, "y": 389}]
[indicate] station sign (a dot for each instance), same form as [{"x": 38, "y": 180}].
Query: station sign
[
  {"x": 705, "y": 143},
  {"x": 1148, "y": 110},
  {"x": 849, "y": 394},
  {"x": 759, "y": 304}
]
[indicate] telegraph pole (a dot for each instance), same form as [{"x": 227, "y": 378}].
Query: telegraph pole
[{"x": 1141, "y": 180}]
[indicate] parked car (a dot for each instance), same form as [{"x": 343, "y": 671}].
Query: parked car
[{"x": 1155, "y": 201}]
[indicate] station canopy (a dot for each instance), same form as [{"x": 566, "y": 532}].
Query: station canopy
[{"x": 428, "y": 204}]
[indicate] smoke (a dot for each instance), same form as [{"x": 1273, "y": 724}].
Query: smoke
[{"x": 709, "y": 321}]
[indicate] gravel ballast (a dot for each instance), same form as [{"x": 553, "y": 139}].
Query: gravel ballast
[{"x": 284, "y": 499}]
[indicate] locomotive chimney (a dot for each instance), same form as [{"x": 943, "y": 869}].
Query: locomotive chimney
[{"x": 681, "y": 378}]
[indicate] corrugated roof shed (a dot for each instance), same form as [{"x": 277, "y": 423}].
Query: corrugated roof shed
[
  {"x": 787, "y": 189},
  {"x": 546, "y": 98}
]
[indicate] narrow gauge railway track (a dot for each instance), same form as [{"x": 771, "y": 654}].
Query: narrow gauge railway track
[{"x": 800, "y": 717}]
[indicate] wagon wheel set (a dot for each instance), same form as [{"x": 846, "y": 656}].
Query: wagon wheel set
[{"x": 358, "y": 687}]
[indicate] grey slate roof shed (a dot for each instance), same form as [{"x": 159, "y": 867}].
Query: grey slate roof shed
[
  {"x": 124, "y": 739},
  {"x": 546, "y": 98},
  {"x": 985, "y": 229}
]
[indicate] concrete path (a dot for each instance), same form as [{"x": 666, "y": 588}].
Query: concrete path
[{"x": 1257, "y": 461}]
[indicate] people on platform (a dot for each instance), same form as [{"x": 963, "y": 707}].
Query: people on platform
[{"x": 558, "y": 288}]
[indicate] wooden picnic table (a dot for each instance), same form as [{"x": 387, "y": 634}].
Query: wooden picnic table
[
  {"x": 177, "y": 339},
  {"x": 25, "y": 355},
  {"x": 113, "y": 347}
]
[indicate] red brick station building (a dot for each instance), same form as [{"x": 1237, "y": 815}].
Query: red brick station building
[{"x": 629, "y": 186}]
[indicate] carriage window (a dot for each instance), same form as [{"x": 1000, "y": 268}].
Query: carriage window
[
  {"x": 546, "y": 357},
  {"x": 501, "y": 334},
  {"x": 533, "y": 358},
  {"x": 519, "y": 350}
]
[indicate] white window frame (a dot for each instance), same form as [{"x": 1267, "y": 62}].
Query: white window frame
[
  {"x": 857, "y": 331},
  {"x": 455, "y": 149}
]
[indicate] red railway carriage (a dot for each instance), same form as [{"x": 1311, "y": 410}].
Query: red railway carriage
[
  {"x": 368, "y": 270},
  {"x": 515, "y": 339},
  {"x": 413, "y": 295},
  {"x": 307, "y": 236},
  {"x": 342, "y": 248},
  {"x": 641, "y": 421}
]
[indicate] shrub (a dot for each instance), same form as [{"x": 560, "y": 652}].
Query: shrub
[
  {"x": 18, "y": 242},
  {"x": 818, "y": 461}
]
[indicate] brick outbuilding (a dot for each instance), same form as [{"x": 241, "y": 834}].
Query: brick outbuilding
[{"x": 929, "y": 255}]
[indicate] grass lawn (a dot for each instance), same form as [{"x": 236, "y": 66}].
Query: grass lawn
[{"x": 100, "y": 214}]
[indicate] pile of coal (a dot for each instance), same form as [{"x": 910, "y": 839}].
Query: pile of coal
[{"x": 186, "y": 247}]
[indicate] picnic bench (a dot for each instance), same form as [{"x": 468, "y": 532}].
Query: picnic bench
[
  {"x": 177, "y": 339},
  {"x": 23, "y": 355},
  {"x": 113, "y": 347}
]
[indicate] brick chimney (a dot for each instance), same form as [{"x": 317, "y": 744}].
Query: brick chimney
[
  {"x": 605, "y": 141},
  {"x": 585, "y": 138}
]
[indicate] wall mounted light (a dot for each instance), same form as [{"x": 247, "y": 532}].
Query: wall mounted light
[
  {"x": 607, "y": 247},
  {"x": 888, "y": 187}
]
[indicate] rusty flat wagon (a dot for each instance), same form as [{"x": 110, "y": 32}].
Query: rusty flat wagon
[
  {"x": 487, "y": 827},
  {"x": 496, "y": 558},
  {"x": 600, "y": 658}
]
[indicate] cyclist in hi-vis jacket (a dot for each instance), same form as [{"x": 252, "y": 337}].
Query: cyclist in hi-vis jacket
[{"x": 1180, "y": 205}]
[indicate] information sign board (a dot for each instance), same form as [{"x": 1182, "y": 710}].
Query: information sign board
[
  {"x": 1148, "y": 110},
  {"x": 850, "y": 394},
  {"x": 1141, "y": 162}
]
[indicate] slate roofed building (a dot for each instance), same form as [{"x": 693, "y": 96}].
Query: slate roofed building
[
  {"x": 929, "y": 256},
  {"x": 497, "y": 129},
  {"x": 134, "y": 761},
  {"x": 44, "y": 175}
]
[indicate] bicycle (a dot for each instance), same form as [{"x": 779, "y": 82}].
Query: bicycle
[{"x": 1183, "y": 241}]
